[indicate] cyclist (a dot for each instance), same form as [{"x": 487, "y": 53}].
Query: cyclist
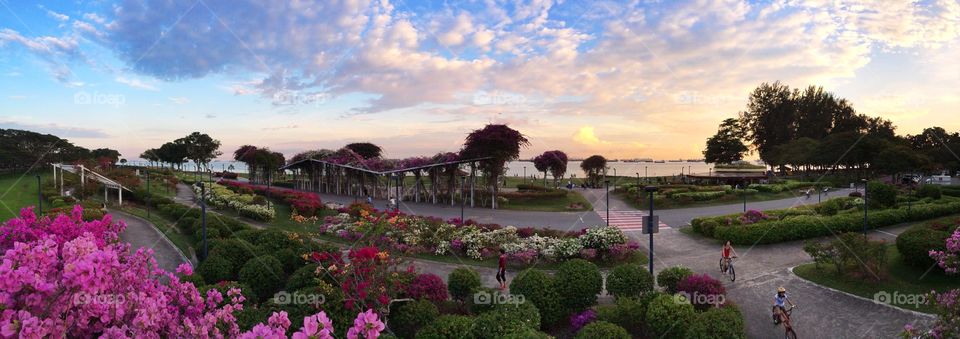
[
  {"x": 779, "y": 305},
  {"x": 727, "y": 253}
]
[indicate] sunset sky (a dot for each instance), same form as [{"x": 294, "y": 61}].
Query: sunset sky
[{"x": 622, "y": 79}]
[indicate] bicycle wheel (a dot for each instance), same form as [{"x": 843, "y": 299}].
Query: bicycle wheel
[
  {"x": 790, "y": 334},
  {"x": 732, "y": 272},
  {"x": 721, "y": 265}
]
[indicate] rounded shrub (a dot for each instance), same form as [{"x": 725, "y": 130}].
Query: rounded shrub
[
  {"x": 462, "y": 281},
  {"x": 477, "y": 303},
  {"x": 427, "y": 286},
  {"x": 881, "y": 195},
  {"x": 448, "y": 327},
  {"x": 627, "y": 313},
  {"x": 290, "y": 259},
  {"x": 930, "y": 191},
  {"x": 264, "y": 274},
  {"x": 579, "y": 282},
  {"x": 271, "y": 241},
  {"x": 527, "y": 333},
  {"x": 668, "y": 278},
  {"x": 705, "y": 291},
  {"x": 302, "y": 277},
  {"x": 408, "y": 317},
  {"x": 717, "y": 323},
  {"x": 506, "y": 319},
  {"x": 602, "y": 329},
  {"x": 664, "y": 312},
  {"x": 251, "y": 235},
  {"x": 629, "y": 280},
  {"x": 215, "y": 269},
  {"x": 538, "y": 287},
  {"x": 236, "y": 251},
  {"x": 915, "y": 244}
]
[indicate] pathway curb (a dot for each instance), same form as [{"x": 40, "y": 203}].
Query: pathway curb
[
  {"x": 916, "y": 313},
  {"x": 164, "y": 236}
]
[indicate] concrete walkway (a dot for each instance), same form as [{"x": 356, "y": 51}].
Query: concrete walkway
[
  {"x": 823, "y": 313},
  {"x": 141, "y": 233}
]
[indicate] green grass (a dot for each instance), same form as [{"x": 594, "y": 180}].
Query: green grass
[
  {"x": 19, "y": 191},
  {"x": 550, "y": 204},
  {"x": 182, "y": 241},
  {"x": 898, "y": 277}
]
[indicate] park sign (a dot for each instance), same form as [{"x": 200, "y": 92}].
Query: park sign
[{"x": 651, "y": 224}]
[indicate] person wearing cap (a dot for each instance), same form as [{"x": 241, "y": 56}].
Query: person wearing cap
[{"x": 779, "y": 305}]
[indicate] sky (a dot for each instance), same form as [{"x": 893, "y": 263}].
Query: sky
[{"x": 625, "y": 79}]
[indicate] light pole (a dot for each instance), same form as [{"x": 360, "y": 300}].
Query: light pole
[
  {"x": 638, "y": 183},
  {"x": 148, "y": 193},
  {"x": 606, "y": 186},
  {"x": 524, "y": 174},
  {"x": 651, "y": 190},
  {"x": 463, "y": 183},
  {"x": 743, "y": 190},
  {"x": 39, "y": 198},
  {"x": 645, "y": 173},
  {"x": 614, "y": 178},
  {"x": 865, "y": 206},
  {"x": 203, "y": 217}
]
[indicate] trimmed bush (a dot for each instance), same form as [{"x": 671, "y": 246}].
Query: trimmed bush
[
  {"x": 407, "y": 318},
  {"x": 527, "y": 333},
  {"x": 626, "y": 313},
  {"x": 717, "y": 323},
  {"x": 215, "y": 269},
  {"x": 448, "y": 327},
  {"x": 602, "y": 329},
  {"x": 629, "y": 280},
  {"x": 880, "y": 195},
  {"x": 667, "y": 316},
  {"x": 930, "y": 191},
  {"x": 304, "y": 277},
  {"x": 236, "y": 251},
  {"x": 506, "y": 319},
  {"x": 271, "y": 241},
  {"x": 462, "y": 281},
  {"x": 703, "y": 289},
  {"x": 915, "y": 244},
  {"x": 427, "y": 286},
  {"x": 539, "y": 288},
  {"x": 668, "y": 278},
  {"x": 578, "y": 281},
  {"x": 264, "y": 274},
  {"x": 482, "y": 306}
]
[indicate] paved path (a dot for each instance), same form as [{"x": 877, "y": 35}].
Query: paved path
[
  {"x": 760, "y": 269},
  {"x": 142, "y": 234}
]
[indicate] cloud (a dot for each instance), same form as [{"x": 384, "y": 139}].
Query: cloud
[
  {"x": 136, "y": 83},
  {"x": 57, "y": 16},
  {"x": 56, "y": 129},
  {"x": 56, "y": 52},
  {"x": 586, "y": 136},
  {"x": 179, "y": 100}
]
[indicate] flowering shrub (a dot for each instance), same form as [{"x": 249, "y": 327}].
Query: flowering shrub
[
  {"x": 753, "y": 216},
  {"x": 368, "y": 280},
  {"x": 704, "y": 291},
  {"x": 220, "y": 196},
  {"x": 66, "y": 277},
  {"x": 602, "y": 238},
  {"x": 579, "y": 320},
  {"x": 428, "y": 286},
  {"x": 948, "y": 303},
  {"x": 307, "y": 204},
  {"x": 949, "y": 260}
]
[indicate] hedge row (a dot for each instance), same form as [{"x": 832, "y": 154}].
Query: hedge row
[{"x": 809, "y": 226}]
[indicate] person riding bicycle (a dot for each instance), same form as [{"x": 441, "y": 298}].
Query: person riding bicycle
[
  {"x": 727, "y": 253},
  {"x": 779, "y": 305}
]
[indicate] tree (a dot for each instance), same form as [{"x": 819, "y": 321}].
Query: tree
[
  {"x": 173, "y": 153},
  {"x": 498, "y": 142},
  {"x": 769, "y": 118},
  {"x": 111, "y": 155},
  {"x": 311, "y": 154},
  {"x": 726, "y": 146},
  {"x": 556, "y": 163},
  {"x": 594, "y": 167},
  {"x": 541, "y": 163},
  {"x": 897, "y": 159},
  {"x": 201, "y": 148},
  {"x": 365, "y": 149},
  {"x": 150, "y": 155}
]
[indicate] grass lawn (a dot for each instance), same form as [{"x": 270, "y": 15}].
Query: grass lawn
[
  {"x": 19, "y": 191},
  {"x": 899, "y": 277},
  {"x": 550, "y": 205},
  {"x": 182, "y": 241}
]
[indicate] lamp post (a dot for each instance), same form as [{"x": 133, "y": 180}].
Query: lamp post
[
  {"x": 614, "y": 178},
  {"x": 645, "y": 173},
  {"x": 865, "y": 206},
  {"x": 39, "y": 198},
  {"x": 743, "y": 191},
  {"x": 638, "y": 183},
  {"x": 651, "y": 190},
  {"x": 203, "y": 217},
  {"x": 148, "y": 193},
  {"x": 463, "y": 183},
  {"x": 524, "y": 174},
  {"x": 606, "y": 186}
]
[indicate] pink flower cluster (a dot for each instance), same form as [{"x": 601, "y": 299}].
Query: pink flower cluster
[
  {"x": 753, "y": 216},
  {"x": 949, "y": 260},
  {"x": 305, "y": 203}
]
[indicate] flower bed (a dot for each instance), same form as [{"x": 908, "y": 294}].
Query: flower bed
[
  {"x": 248, "y": 205},
  {"x": 415, "y": 234},
  {"x": 306, "y": 204}
]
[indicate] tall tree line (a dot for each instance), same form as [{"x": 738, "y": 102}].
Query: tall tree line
[
  {"x": 196, "y": 147},
  {"x": 23, "y": 149}
]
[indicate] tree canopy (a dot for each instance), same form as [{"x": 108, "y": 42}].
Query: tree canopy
[
  {"x": 726, "y": 146},
  {"x": 365, "y": 149},
  {"x": 499, "y": 142},
  {"x": 594, "y": 167},
  {"x": 22, "y": 149}
]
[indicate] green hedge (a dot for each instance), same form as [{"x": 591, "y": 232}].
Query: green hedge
[
  {"x": 808, "y": 226},
  {"x": 700, "y": 196},
  {"x": 629, "y": 280},
  {"x": 602, "y": 329},
  {"x": 915, "y": 244}
]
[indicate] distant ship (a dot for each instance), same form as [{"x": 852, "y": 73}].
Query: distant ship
[
  {"x": 679, "y": 160},
  {"x": 659, "y": 162}
]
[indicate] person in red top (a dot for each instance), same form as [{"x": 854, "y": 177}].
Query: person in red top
[
  {"x": 727, "y": 254},
  {"x": 502, "y": 269}
]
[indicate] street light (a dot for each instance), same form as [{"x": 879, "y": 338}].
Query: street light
[
  {"x": 524, "y": 174},
  {"x": 614, "y": 178},
  {"x": 638, "y": 183},
  {"x": 865, "y": 206},
  {"x": 148, "y": 192},
  {"x": 463, "y": 183},
  {"x": 606, "y": 186},
  {"x": 203, "y": 217},
  {"x": 651, "y": 227},
  {"x": 645, "y": 173},
  {"x": 743, "y": 190}
]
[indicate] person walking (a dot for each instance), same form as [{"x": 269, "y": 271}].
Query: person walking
[{"x": 502, "y": 270}]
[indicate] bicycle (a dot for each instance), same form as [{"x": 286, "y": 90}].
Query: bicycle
[
  {"x": 726, "y": 267},
  {"x": 788, "y": 331}
]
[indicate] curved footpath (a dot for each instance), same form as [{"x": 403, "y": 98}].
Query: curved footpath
[
  {"x": 822, "y": 312},
  {"x": 140, "y": 233}
]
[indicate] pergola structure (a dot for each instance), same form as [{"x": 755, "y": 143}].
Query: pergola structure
[
  {"x": 341, "y": 179},
  {"x": 85, "y": 173}
]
